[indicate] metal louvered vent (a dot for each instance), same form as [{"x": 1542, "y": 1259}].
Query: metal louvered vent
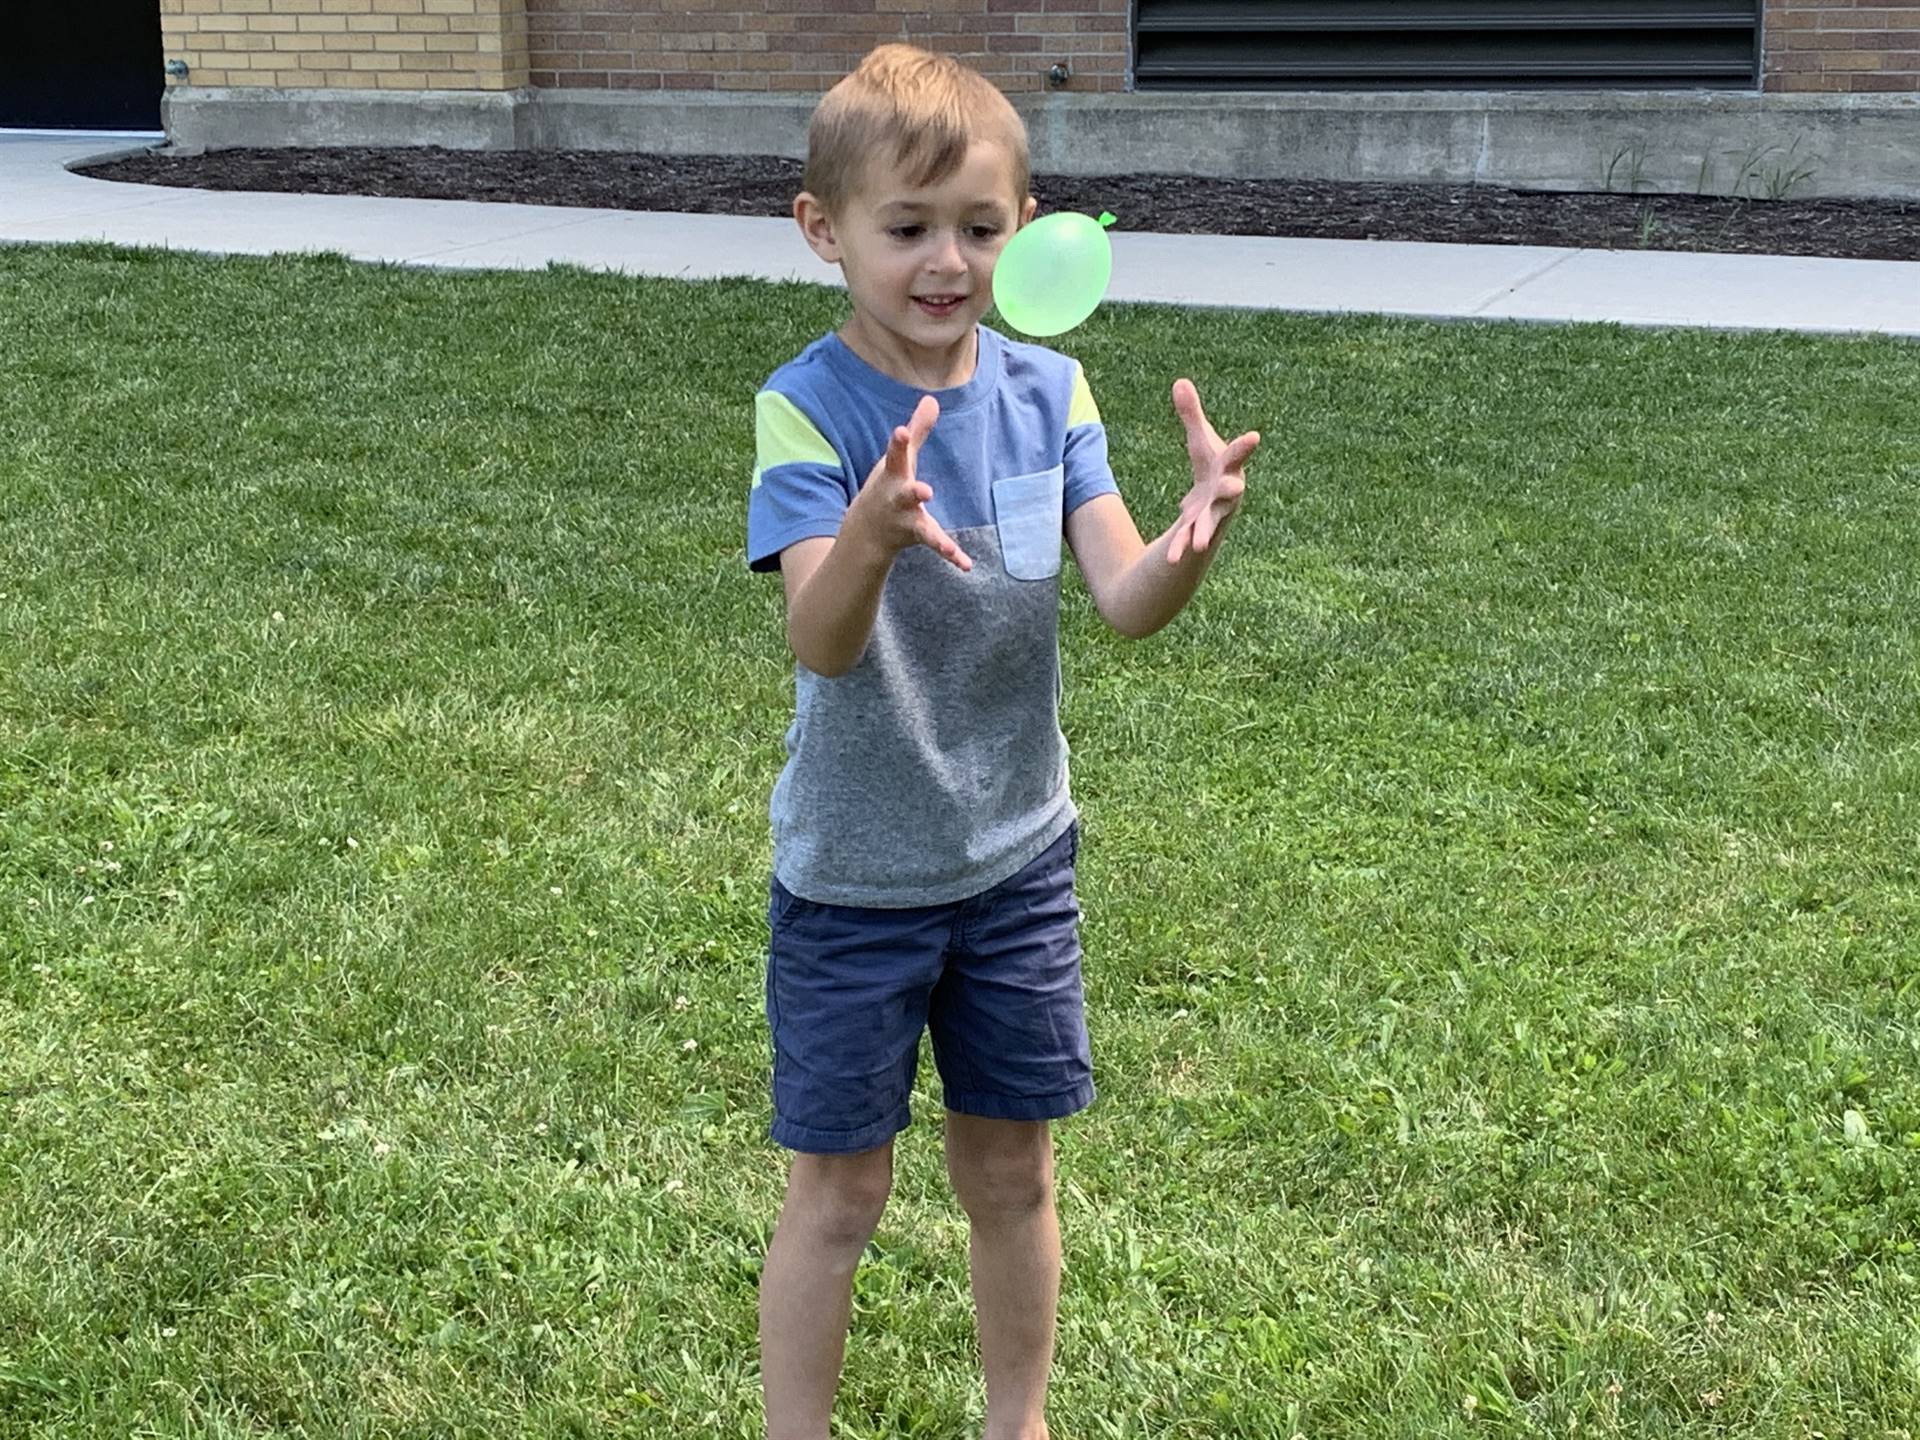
[{"x": 1445, "y": 44}]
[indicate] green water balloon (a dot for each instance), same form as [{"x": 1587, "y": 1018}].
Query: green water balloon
[{"x": 1053, "y": 273}]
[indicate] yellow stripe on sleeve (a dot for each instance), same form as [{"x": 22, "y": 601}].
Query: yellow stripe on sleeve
[
  {"x": 1081, "y": 410},
  {"x": 784, "y": 436}
]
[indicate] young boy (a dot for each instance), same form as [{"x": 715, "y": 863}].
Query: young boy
[{"x": 924, "y": 837}]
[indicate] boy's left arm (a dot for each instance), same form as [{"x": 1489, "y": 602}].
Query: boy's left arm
[{"x": 1138, "y": 587}]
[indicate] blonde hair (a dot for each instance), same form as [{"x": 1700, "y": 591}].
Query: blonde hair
[{"x": 921, "y": 109}]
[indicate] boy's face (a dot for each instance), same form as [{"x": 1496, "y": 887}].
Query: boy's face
[{"x": 919, "y": 261}]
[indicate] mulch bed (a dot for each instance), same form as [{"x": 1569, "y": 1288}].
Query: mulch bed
[{"x": 1170, "y": 204}]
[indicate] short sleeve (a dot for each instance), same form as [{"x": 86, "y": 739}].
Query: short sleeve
[
  {"x": 1087, "y": 472},
  {"x": 799, "y": 485}
]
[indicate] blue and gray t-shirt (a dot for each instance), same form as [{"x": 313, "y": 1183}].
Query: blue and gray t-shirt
[{"x": 935, "y": 768}]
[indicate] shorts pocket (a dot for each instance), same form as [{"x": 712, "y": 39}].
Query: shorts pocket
[
  {"x": 1027, "y": 514},
  {"x": 783, "y": 905}
]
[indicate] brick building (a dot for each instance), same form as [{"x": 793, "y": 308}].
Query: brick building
[
  {"x": 801, "y": 46},
  {"x": 1545, "y": 92}
]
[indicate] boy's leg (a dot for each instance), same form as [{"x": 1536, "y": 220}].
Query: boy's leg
[
  {"x": 833, "y": 1204},
  {"x": 1002, "y": 1172}
]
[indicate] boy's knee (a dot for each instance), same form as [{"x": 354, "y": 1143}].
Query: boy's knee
[
  {"x": 843, "y": 1196},
  {"x": 1000, "y": 1181}
]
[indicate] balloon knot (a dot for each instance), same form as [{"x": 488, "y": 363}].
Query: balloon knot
[{"x": 1106, "y": 218}]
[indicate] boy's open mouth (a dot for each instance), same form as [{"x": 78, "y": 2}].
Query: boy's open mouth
[{"x": 938, "y": 304}]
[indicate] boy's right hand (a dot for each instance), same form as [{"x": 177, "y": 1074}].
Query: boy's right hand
[{"x": 890, "y": 509}]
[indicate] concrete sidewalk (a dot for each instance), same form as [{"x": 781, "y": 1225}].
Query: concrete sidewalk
[{"x": 40, "y": 200}]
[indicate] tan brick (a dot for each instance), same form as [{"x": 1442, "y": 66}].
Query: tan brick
[
  {"x": 423, "y": 24},
  {"x": 372, "y": 24},
  {"x": 350, "y": 80},
  {"x": 272, "y": 24},
  {"x": 301, "y": 78},
  {"x": 323, "y": 24},
  {"x": 397, "y": 7}
]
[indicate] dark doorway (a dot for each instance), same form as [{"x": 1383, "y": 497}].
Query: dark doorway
[{"x": 82, "y": 65}]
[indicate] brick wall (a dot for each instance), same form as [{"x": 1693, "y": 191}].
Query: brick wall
[
  {"x": 355, "y": 44},
  {"x": 1835, "y": 45},
  {"x": 806, "y": 45}
]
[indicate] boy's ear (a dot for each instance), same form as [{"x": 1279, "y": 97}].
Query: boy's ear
[
  {"x": 816, "y": 226},
  {"x": 1026, "y": 212}
]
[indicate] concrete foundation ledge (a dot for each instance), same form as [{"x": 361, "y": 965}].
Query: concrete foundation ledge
[
  {"x": 212, "y": 118},
  {"x": 1688, "y": 142}
]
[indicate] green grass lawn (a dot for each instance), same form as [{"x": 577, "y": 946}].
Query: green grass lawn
[{"x": 1502, "y": 891}]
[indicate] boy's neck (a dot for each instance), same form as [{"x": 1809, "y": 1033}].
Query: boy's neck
[{"x": 917, "y": 366}]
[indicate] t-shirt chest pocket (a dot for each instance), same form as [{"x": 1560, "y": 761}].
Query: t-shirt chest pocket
[{"x": 1027, "y": 515}]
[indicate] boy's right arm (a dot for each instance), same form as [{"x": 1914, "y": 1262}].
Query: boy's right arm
[
  {"x": 833, "y": 593},
  {"x": 833, "y": 584}
]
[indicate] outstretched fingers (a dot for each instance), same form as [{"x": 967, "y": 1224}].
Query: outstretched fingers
[
  {"x": 1238, "y": 451},
  {"x": 936, "y": 539},
  {"x": 915, "y": 493},
  {"x": 1202, "y": 438},
  {"x": 903, "y": 446}
]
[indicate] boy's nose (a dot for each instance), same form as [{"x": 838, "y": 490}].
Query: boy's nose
[{"x": 947, "y": 257}]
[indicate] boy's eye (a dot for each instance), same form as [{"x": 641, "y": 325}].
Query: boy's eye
[{"x": 914, "y": 232}]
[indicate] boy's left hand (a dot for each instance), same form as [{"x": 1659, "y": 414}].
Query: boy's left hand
[{"x": 1219, "y": 480}]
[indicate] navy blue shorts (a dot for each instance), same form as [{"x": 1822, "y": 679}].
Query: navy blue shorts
[{"x": 995, "y": 977}]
